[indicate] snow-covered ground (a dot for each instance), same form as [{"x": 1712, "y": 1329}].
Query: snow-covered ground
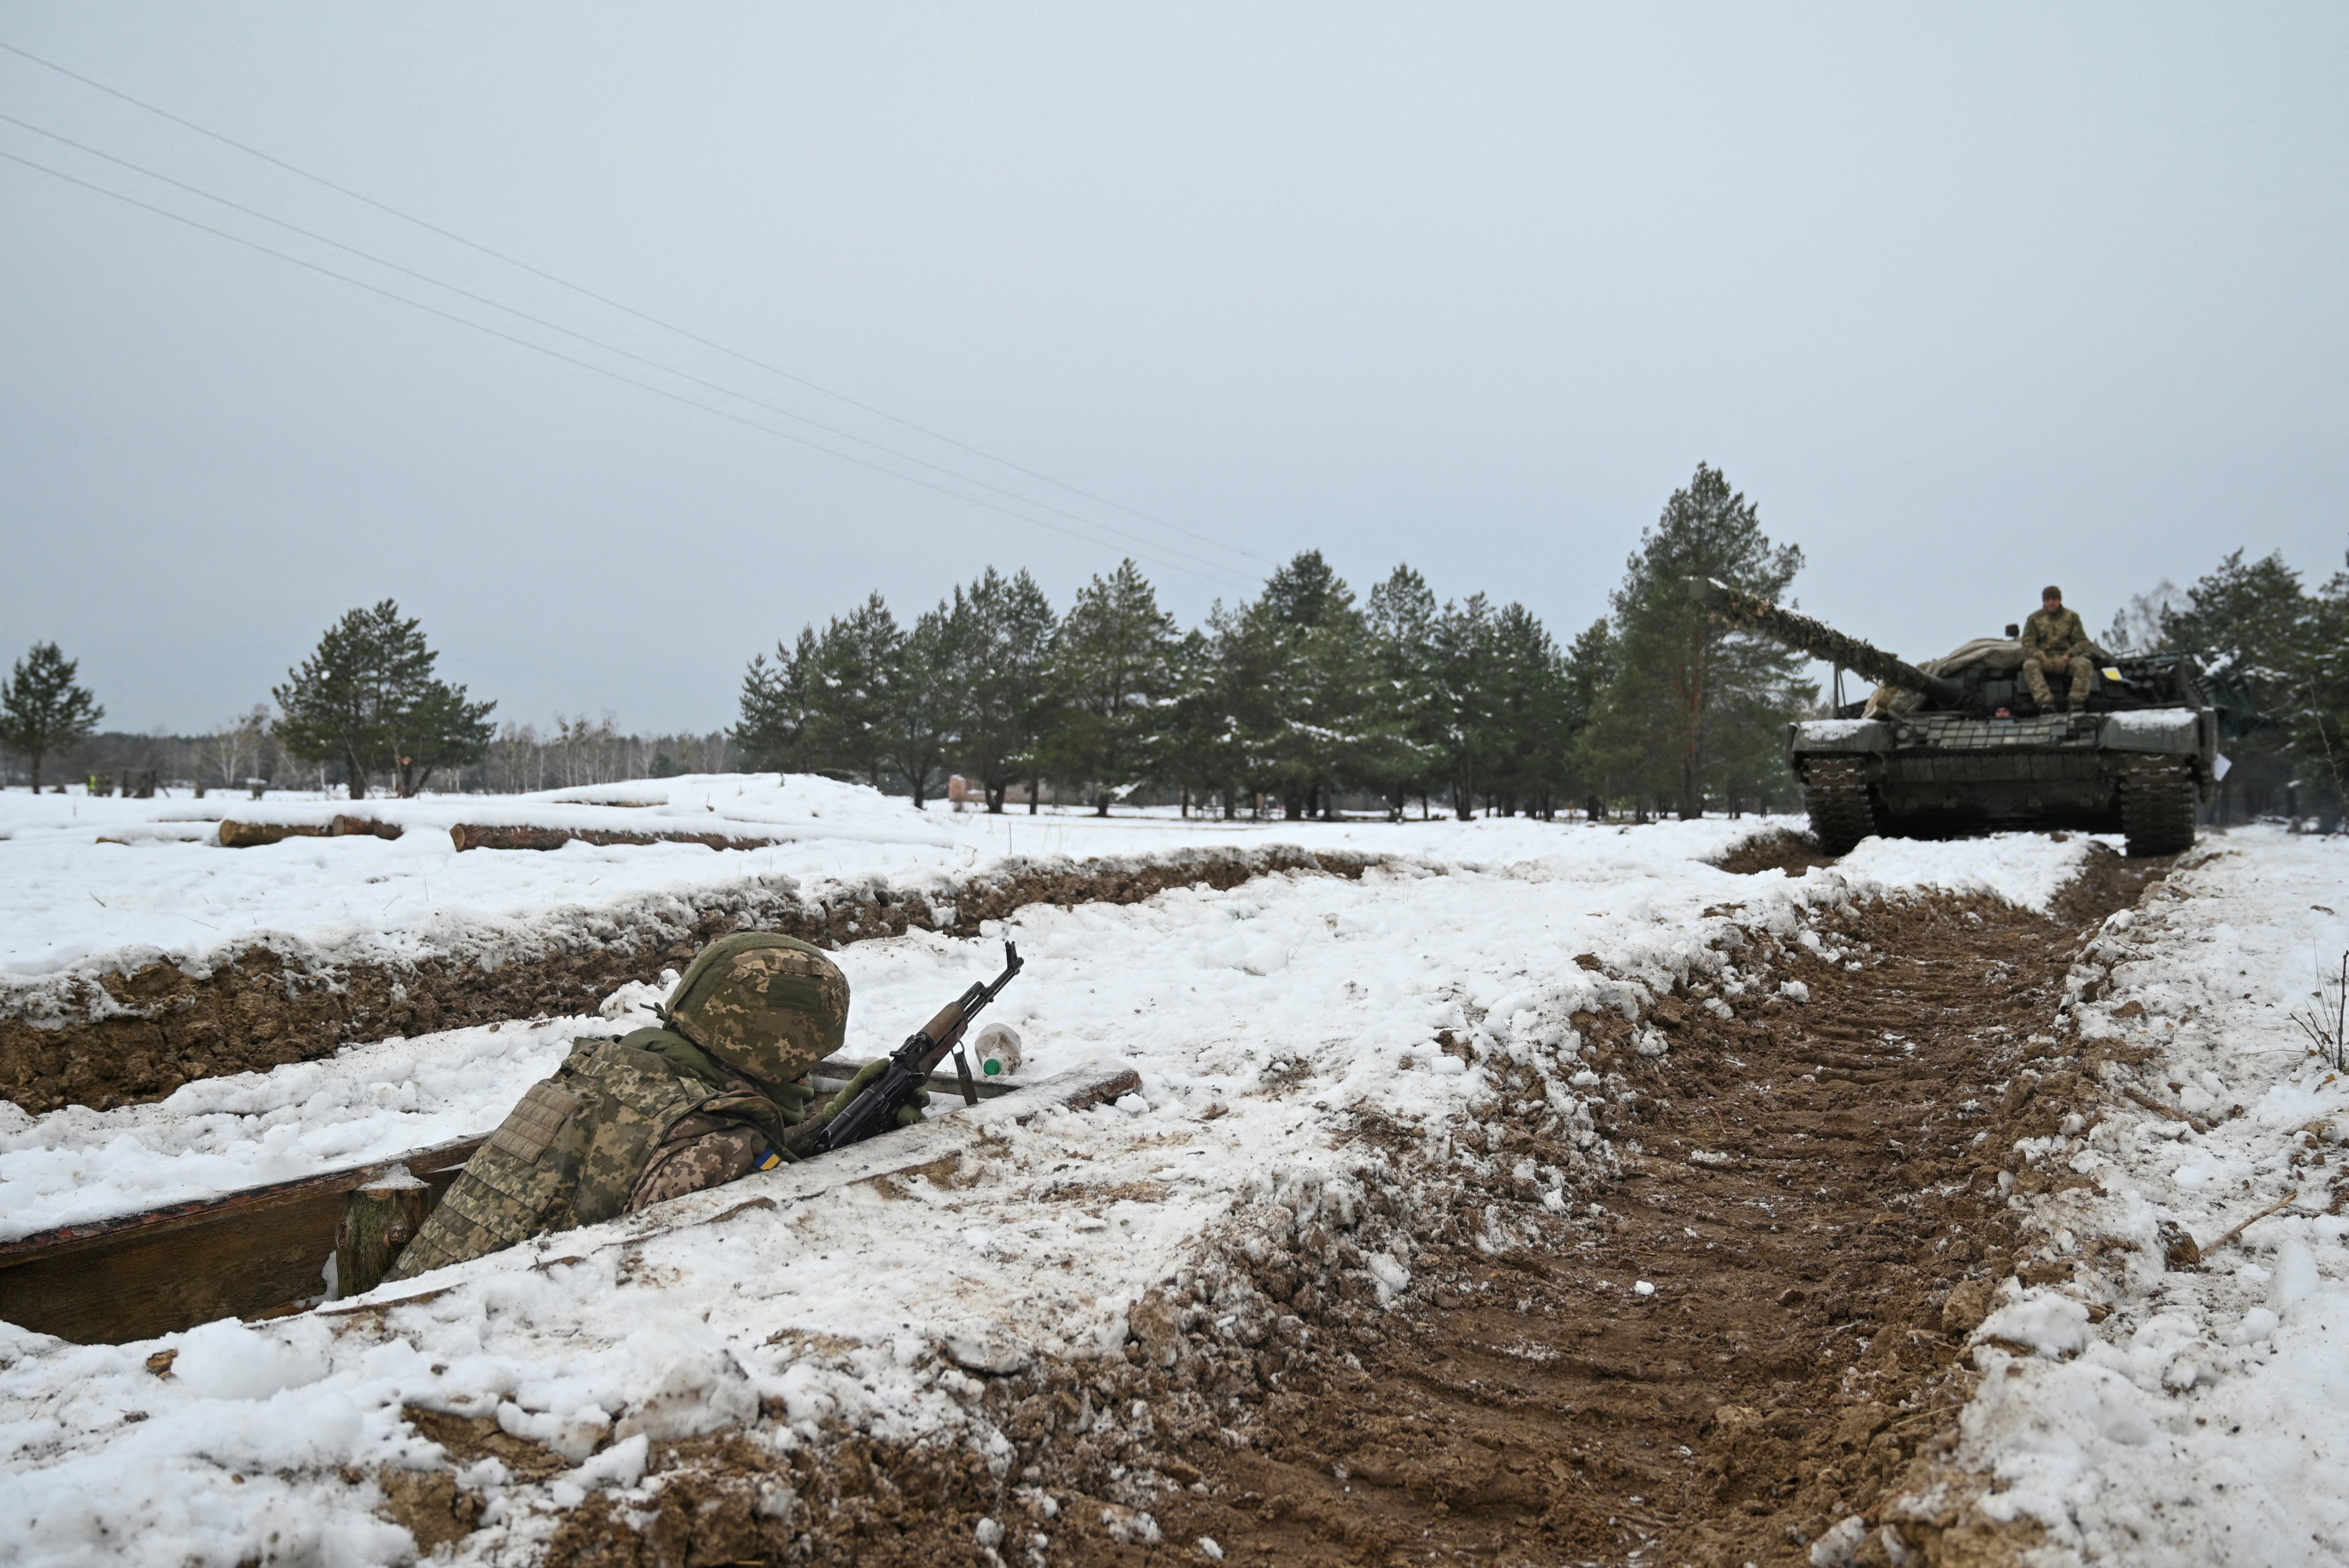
[
  {"x": 2206, "y": 1420},
  {"x": 1262, "y": 1019},
  {"x": 378, "y": 1100},
  {"x": 99, "y": 882}
]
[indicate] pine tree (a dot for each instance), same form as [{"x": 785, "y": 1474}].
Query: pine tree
[
  {"x": 1193, "y": 726},
  {"x": 1591, "y": 667},
  {"x": 1004, "y": 628},
  {"x": 1528, "y": 713},
  {"x": 855, "y": 692},
  {"x": 779, "y": 708},
  {"x": 1398, "y": 719},
  {"x": 2252, "y": 617},
  {"x": 925, "y": 700},
  {"x": 1308, "y": 621},
  {"x": 1216, "y": 736},
  {"x": 2319, "y": 722},
  {"x": 331, "y": 705},
  {"x": 437, "y": 728},
  {"x": 1110, "y": 669},
  {"x": 1460, "y": 710},
  {"x": 1694, "y": 702},
  {"x": 42, "y": 710},
  {"x": 2250, "y": 621},
  {"x": 367, "y": 699}
]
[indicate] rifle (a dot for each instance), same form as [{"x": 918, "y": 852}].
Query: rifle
[{"x": 876, "y": 1108}]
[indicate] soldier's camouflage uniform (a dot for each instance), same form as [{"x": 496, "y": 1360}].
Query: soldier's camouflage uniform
[
  {"x": 658, "y": 1113},
  {"x": 2047, "y": 636}
]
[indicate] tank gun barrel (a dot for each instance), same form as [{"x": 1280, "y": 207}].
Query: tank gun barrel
[{"x": 1822, "y": 641}]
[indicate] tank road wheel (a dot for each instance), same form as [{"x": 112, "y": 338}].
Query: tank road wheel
[
  {"x": 2158, "y": 806},
  {"x": 1836, "y": 790}
]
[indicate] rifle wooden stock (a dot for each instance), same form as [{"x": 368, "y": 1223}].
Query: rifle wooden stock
[{"x": 944, "y": 1029}]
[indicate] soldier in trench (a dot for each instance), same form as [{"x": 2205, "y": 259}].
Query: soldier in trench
[{"x": 719, "y": 1090}]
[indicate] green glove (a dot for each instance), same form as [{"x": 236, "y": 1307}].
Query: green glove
[
  {"x": 804, "y": 1139},
  {"x": 906, "y": 1114},
  {"x": 792, "y": 1099}
]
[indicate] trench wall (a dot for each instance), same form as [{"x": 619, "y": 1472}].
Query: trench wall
[{"x": 122, "y": 1037}]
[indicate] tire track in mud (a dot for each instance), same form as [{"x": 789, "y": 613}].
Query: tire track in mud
[{"x": 1816, "y": 1195}]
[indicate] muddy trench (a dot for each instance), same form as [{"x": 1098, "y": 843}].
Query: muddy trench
[
  {"x": 1818, "y": 1195},
  {"x": 1817, "y": 1192},
  {"x": 126, "y": 1038}
]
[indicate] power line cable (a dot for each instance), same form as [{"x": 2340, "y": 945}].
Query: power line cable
[
  {"x": 651, "y": 363},
  {"x": 572, "y": 359},
  {"x": 610, "y": 303}
]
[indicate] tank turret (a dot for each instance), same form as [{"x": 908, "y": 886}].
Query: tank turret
[{"x": 1823, "y": 642}]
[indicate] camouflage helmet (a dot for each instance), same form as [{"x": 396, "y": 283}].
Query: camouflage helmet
[{"x": 769, "y": 1007}]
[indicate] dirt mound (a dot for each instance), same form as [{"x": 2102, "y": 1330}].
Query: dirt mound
[
  {"x": 121, "y": 1039},
  {"x": 1814, "y": 1191},
  {"x": 1782, "y": 849}
]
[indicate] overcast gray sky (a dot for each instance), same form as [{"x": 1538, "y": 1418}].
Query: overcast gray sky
[{"x": 1965, "y": 298}]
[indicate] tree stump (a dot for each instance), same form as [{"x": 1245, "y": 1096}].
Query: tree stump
[{"x": 378, "y": 1220}]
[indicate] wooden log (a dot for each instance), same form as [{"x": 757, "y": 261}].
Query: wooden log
[
  {"x": 484, "y": 836},
  {"x": 234, "y": 835},
  {"x": 477, "y": 836},
  {"x": 346, "y": 826},
  {"x": 378, "y": 1220}
]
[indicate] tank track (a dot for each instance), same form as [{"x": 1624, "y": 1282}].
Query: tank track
[
  {"x": 2157, "y": 800},
  {"x": 1836, "y": 791}
]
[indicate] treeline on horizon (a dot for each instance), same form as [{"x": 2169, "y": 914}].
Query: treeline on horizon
[
  {"x": 575, "y": 750},
  {"x": 1308, "y": 694},
  {"x": 1305, "y": 694},
  {"x": 1306, "y": 697}
]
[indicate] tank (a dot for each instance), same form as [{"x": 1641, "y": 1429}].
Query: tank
[{"x": 1957, "y": 746}]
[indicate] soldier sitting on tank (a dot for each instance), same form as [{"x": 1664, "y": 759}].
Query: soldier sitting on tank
[
  {"x": 717, "y": 1091},
  {"x": 2055, "y": 642}
]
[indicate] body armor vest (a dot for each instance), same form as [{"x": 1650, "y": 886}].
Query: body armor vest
[{"x": 570, "y": 1152}]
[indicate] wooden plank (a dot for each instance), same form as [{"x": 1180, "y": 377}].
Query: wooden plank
[
  {"x": 248, "y": 1252},
  {"x": 98, "y": 1234},
  {"x": 1080, "y": 1087},
  {"x": 143, "y": 1275}
]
